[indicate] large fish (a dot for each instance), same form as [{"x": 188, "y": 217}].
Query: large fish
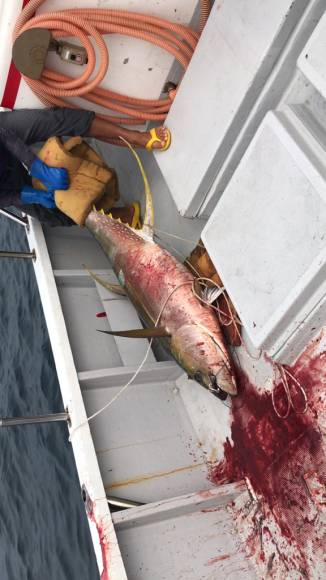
[{"x": 161, "y": 289}]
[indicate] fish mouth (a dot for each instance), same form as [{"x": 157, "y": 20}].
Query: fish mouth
[
  {"x": 218, "y": 392},
  {"x": 220, "y": 385},
  {"x": 225, "y": 381}
]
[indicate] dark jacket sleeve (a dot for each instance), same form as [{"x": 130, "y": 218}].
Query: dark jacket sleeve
[
  {"x": 36, "y": 125},
  {"x": 17, "y": 147},
  {"x": 48, "y": 217}
]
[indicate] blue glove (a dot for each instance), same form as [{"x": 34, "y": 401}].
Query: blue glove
[
  {"x": 52, "y": 177},
  {"x": 30, "y": 195}
]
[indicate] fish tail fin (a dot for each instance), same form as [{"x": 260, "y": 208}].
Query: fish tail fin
[{"x": 148, "y": 223}]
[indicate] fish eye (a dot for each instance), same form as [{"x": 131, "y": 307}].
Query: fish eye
[{"x": 198, "y": 376}]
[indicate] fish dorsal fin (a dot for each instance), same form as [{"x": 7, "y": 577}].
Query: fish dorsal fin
[
  {"x": 115, "y": 288},
  {"x": 155, "y": 332},
  {"x": 148, "y": 223}
]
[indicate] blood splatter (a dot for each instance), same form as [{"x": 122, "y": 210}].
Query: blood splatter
[
  {"x": 277, "y": 455},
  {"x": 102, "y": 537},
  {"x": 213, "y": 561},
  {"x": 104, "y": 549}
]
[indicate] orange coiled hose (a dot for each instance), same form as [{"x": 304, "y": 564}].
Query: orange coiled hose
[
  {"x": 205, "y": 8},
  {"x": 53, "y": 88}
]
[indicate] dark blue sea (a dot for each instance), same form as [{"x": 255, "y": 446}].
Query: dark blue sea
[{"x": 44, "y": 533}]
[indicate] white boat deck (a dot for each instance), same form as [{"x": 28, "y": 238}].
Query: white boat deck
[{"x": 146, "y": 447}]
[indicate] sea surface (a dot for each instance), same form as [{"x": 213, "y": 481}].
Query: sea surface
[{"x": 44, "y": 533}]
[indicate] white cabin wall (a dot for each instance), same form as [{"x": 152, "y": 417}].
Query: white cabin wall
[
  {"x": 302, "y": 109},
  {"x": 237, "y": 91},
  {"x": 273, "y": 93}
]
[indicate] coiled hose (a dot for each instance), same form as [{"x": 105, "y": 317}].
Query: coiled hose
[{"x": 53, "y": 88}]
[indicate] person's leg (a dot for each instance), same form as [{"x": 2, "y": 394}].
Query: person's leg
[{"x": 104, "y": 131}]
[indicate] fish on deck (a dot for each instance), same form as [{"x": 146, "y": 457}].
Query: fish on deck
[{"x": 161, "y": 289}]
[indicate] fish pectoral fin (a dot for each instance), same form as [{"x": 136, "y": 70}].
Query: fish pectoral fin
[
  {"x": 115, "y": 288},
  {"x": 155, "y": 332}
]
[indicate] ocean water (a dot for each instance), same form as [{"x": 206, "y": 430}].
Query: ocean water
[{"x": 44, "y": 533}]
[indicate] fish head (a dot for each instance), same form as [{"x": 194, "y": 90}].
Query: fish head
[{"x": 204, "y": 360}]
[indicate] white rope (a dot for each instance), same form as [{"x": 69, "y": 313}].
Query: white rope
[
  {"x": 287, "y": 391},
  {"x": 136, "y": 373},
  {"x": 178, "y": 238}
]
